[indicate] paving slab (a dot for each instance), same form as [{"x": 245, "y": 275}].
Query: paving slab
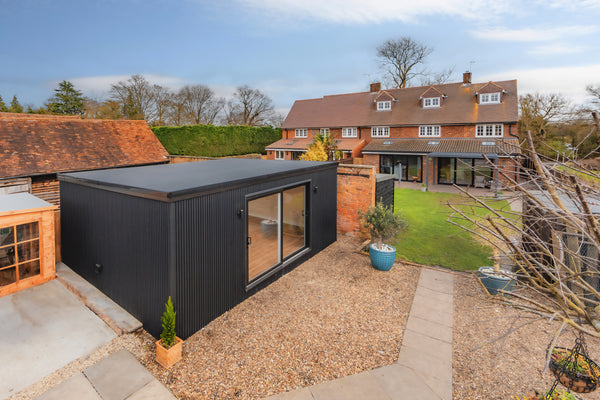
[
  {"x": 118, "y": 376},
  {"x": 109, "y": 311},
  {"x": 363, "y": 386},
  {"x": 401, "y": 383},
  {"x": 437, "y": 373},
  {"x": 152, "y": 391},
  {"x": 76, "y": 387},
  {"x": 427, "y": 345},
  {"x": 44, "y": 328},
  {"x": 299, "y": 394},
  {"x": 437, "y": 280},
  {"x": 429, "y": 328},
  {"x": 433, "y": 311}
]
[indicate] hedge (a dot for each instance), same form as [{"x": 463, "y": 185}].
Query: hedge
[{"x": 215, "y": 141}]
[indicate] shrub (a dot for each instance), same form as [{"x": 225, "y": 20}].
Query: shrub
[
  {"x": 381, "y": 222},
  {"x": 215, "y": 141},
  {"x": 168, "y": 325}
]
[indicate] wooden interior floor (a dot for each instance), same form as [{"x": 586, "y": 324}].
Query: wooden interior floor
[{"x": 263, "y": 249}]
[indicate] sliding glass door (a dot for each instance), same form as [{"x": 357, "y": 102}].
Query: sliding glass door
[{"x": 276, "y": 229}]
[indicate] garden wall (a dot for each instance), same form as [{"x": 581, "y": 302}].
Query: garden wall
[{"x": 356, "y": 185}]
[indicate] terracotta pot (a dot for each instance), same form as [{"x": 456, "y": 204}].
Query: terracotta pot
[{"x": 168, "y": 357}]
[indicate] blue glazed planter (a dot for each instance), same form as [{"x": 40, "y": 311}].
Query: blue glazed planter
[
  {"x": 382, "y": 260},
  {"x": 493, "y": 282}
]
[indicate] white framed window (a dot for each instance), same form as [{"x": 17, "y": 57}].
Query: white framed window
[
  {"x": 489, "y": 130},
  {"x": 301, "y": 132},
  {"x": 429, "y": 130},
  {"x": 349, "y": 132},
  {"x": 324, "y": 131},
  {"x": 380, "y": 131},
  {"x": 279, "y": 155},
  {"x": 489, "y": 98},
  {"x": 431, "y": 102},
  {"x": 384, "y": 105}
]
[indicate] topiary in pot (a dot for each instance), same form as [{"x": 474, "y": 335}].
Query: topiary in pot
[
  {"x": 382, "y": 224},
  {"x": 168, "y": 347}
]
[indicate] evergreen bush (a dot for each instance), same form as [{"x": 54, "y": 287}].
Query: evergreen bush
[
  {"x": 216, "y": 141},
  {"x": 168, "y": 325}
]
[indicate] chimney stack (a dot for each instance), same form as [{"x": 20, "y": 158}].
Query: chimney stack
[
  {"x": 467, "y": 78},
  {"x": 375, "y": 87}
]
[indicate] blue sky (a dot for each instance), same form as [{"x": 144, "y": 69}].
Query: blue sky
[{"x": 290, "y": 49}]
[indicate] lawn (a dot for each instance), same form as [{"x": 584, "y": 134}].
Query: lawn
[{"x": 429, "y": 239}]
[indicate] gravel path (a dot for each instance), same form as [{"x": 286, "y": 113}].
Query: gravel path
[
  {"x": 332, "y": 316},
  {"x": 489, "y": 366}
]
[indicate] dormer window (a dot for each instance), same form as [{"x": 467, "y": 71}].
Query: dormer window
[
  {"x": 489, "y": 98},
  {"x": 431, "y": 102},
  {"x": 301, "y": 133},
  {"x": 384, "y": 105}
]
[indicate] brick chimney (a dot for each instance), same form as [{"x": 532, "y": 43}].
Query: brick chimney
[
  {"x": 466, "y": 78},
  {"x": 375, "y": 87}
]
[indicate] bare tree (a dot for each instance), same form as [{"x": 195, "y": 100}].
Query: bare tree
[
  {"x": 248, "y": 107},
  {"x": 594, "y": 91},
  {"x": 163, "y": 102},
  {"x": 554, "y": 242},
  {"x": 402, "y": 58},
  {"x": 538, "y": 111},
  {"x": 200, "y": 104},
  {"x": 437, "y": 78},
  {"x": 136, "y": 96}
]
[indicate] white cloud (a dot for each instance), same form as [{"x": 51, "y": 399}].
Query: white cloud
[
  {"x": 360, "y": 11},
  {"x": 555, "y": 49},
  {"x": 569, "y": 81},
  {"x": 534, "y": 34}
]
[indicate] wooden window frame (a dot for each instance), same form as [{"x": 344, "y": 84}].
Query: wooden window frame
[{"x": 301, "y": 133}]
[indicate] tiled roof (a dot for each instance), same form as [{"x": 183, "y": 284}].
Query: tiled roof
[
  {"x": 359, "y": 109},
  {"x": 302, "y": 144},
  {"x": 36, "y": 145},
  {"x": 431, "y": 145}
]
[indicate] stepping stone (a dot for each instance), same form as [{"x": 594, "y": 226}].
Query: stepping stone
[
  {"x": 118, "y": 376},
  {"x": 76, "y": 388}
]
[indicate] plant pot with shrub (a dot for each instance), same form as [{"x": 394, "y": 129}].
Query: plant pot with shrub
[
  {"x": 494, "y": 278},
  {"x": 382, "y": 224},
  {"x": 168, "y": 347}
]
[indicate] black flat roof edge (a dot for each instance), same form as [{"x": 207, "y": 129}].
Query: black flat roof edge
[{"x": 192, "y": 192}]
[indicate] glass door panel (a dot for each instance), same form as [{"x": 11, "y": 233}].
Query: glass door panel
[
  {"x": 414, "y": 168},
  {"x": 263, "y": 234},
  {"x": 483, "y": 173},
  {"x": 446, "y": 170},
  {"x": 464, "y": 171},
  {"x": 293, "y": 220}
]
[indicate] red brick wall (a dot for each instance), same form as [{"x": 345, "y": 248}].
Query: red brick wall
[
  {"x": 371, "y": 159},
  {"x": 355, "y": 192},
  {"x": 508, "y": 167}
]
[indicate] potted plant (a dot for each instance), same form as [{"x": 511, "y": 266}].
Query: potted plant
[
  {"x": 382, "y": 223},
  {"x": 168, "y": 347},
  {"x": 574, "y": 370},
  {"x": 494, "y": 278}
]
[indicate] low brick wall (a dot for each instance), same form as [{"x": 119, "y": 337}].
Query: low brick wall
[{"x": 355, "y": 192}]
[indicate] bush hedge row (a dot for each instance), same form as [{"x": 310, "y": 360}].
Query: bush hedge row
[{"x": 215, "y": 141}]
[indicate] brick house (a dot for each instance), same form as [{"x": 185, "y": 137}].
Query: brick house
[{"x": 442, "y": 129}]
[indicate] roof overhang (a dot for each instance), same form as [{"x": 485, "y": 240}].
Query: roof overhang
[{"x": 440, "y": 154}]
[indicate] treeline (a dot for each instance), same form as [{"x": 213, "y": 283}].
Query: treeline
[
  {"x": 136, "y": 98},
  {"x": 215, "y": 141}
]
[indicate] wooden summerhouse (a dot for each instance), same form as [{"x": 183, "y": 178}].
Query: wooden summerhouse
[{"x": 26, "y": 242}]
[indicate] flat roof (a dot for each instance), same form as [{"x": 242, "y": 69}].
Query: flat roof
[
  {"x": 169, "y": 182},
  {"x": 10, "y": 203}
]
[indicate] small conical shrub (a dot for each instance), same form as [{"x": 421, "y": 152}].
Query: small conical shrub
[{"x": 168, "y": 325}]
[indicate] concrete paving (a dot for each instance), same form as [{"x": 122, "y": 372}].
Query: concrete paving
[
  {"x": 43, "y": 329},
  {"x": 117, "y": 377},
  {"x": 110, "y": 312},
  {"x": 423, "y": 370}
]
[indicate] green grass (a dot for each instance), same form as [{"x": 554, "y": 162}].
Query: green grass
[{"x": 429, "y": 239}]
